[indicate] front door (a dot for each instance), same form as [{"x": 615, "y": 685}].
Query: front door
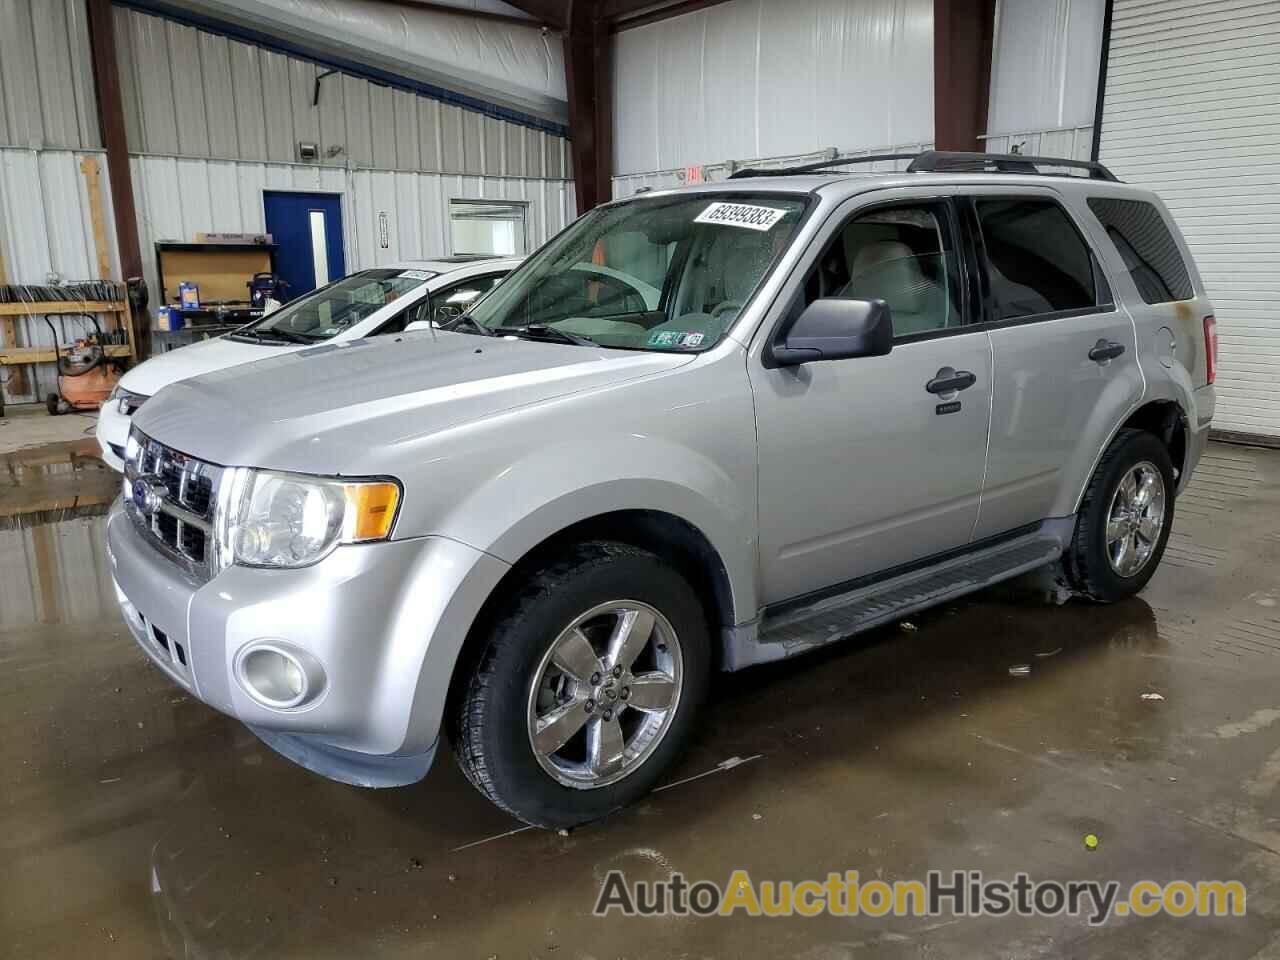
[
  {"x": 866, "y": 464},
  {"x": 1066, "y": 367},
  {"x": 307, "y": 229}
]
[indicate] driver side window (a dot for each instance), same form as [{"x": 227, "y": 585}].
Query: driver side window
[
  {"x": 451, "y": 302},
  {"x": 443, "y": 305},
  {"x": 904, "y": 254}
]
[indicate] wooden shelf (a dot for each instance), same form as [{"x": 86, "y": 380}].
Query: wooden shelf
[
  {"x": 14, "y": 355},
  {"x": 61, "y": 306}
]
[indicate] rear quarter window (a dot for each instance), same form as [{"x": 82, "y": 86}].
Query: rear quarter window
[{"x": 1146, "y": 246}]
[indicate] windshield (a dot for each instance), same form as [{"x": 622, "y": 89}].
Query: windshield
[
  {"x": 668, "y": 273},
  {"x": 341, "y": 305}
]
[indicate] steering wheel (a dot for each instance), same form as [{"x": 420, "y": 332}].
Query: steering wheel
[
  {"x": 447, "y": 312},
  {"x": 725, "y": 307}
]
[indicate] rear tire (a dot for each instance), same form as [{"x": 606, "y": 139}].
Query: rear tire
[
  {"x": 1124, "y": 520},
  {"x": 577, "y": 648},
  {"x": 53, "y": 403}
]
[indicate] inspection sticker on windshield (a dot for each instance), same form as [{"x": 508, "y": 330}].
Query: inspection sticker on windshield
[
  {"x": 416, "y": 274},
  {"x": 741, "y": 215},
  {"x": 675, "y": 338}
]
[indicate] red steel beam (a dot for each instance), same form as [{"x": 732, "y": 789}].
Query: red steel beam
[
  {"x": 588, "y": 66},
  {"x": 962, "y": 40},
  {"x": 106, "y": 79}
]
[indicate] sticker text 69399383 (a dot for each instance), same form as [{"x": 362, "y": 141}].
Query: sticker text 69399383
[{"x": 741, "y": 215}]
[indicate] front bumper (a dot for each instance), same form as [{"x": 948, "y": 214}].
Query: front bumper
[
  {"x": 112, "y": 433},
  {"x": 385, "y": 621}
]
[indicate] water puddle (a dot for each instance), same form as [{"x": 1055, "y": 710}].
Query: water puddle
[{"x": 57, "y": 481}]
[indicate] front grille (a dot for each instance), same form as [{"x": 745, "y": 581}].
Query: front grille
[{"x": 179, "y": 521}]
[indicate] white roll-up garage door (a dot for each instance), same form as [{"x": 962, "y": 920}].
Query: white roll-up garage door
[{"x": 1192, "y": 110}]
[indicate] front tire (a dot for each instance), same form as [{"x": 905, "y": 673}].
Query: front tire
[
  {"x": 586, "y": 687},
  {"x": 1125, "y": 519}
]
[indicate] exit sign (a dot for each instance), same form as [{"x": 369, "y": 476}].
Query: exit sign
[{"x": 694, "y": 174}]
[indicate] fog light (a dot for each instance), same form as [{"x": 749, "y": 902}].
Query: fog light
[{"x": 279, "y": 677}]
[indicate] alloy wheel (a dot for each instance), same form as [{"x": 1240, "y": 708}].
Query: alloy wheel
[
  {"x": 604, "y": 694},
  {"x": 1135, "y": 519}
]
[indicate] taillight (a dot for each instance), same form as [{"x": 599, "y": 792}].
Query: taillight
[{"x": 1211, "y": 347}]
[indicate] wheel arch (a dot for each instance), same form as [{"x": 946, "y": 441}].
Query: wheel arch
[
  {"x": 1168, "y": 421},
  {"x": 660, "y": 532},
  {"x": 1163, "y": 417}
]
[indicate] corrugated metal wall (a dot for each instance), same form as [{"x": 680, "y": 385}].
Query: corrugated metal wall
[
  {"x": 625, "y": 186},
  {"x": 418, "y": 208},
  {"x": 772, "y": 78},
  {"x": 177, "y": 196},
  {"x": 48, "y": 120},
  {"x": 1044, "y": 77},
  {"x": 212, "y": 122},
  {"x": 1193, "y": 112},
  {"x": 45, "y": 229},
  {"x": 1075, "y": 143},
  {"x": 46, "y": 75},
  {"x": 195, "y": 94}
]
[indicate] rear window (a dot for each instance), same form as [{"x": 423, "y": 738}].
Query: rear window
[
  {"x": 1146, "y": 246},
  {"x": 1037, "y": 261}
]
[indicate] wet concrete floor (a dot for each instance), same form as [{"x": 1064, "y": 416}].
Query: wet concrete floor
[
  {"x": 139, "y": 823},
  {"x": 55, "y": 481}
]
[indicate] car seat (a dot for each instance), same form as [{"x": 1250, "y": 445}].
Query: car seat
[{"x": 889, "y": 270}]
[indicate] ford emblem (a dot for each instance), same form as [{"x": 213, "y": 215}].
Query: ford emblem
[{"x": 148, "y": 493}]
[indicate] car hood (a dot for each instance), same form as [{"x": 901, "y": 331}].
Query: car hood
[
  {"x": 341, "y": 408},
  {"x": 151, "y": 376}
]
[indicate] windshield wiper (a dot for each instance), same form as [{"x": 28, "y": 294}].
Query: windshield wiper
[
  {"x": 288, "y": 336},
  {"x": 271, "y": 336},
  {"x": 540, "y": 331}
]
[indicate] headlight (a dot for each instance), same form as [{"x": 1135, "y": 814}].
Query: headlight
[
  {"x": 126, "y": 401},
  {"x": 291, "y": 520}
]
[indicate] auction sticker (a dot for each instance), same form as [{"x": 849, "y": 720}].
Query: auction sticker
[{"x": 741, "y": 215}]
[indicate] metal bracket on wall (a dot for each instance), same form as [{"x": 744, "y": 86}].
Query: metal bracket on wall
[{"x": 315, "y": 96}]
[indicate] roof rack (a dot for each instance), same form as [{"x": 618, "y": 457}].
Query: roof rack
[
  {"x": 937, "y": 161},
  {"x": 818, "y": 166},
  {"x": 945, "y": 161}
]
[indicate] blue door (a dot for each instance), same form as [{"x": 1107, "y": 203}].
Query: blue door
[{"x": 307, "y": 228}]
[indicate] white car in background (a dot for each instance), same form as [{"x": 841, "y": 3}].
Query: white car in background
[{"x": 367, "y": 303}]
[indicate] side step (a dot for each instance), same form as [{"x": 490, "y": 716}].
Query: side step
[{"x": 800, "y": 628}]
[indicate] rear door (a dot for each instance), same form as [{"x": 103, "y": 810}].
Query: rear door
[{"x": 1065, "y": 369}]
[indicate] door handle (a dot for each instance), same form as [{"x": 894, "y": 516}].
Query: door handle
[
  {"x": 949, "y": 381},
  {"x": 1105, "y": 350}
]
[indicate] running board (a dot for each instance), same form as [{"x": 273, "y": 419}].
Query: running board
[{"x": 804, "y": 627}]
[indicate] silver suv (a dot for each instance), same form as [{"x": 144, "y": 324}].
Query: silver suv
[{"x": 699, "y": 430}]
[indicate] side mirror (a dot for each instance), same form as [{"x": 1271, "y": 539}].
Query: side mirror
[
  {"x": 836, "y": 329},
  {"x": 418, "y": 325}
]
